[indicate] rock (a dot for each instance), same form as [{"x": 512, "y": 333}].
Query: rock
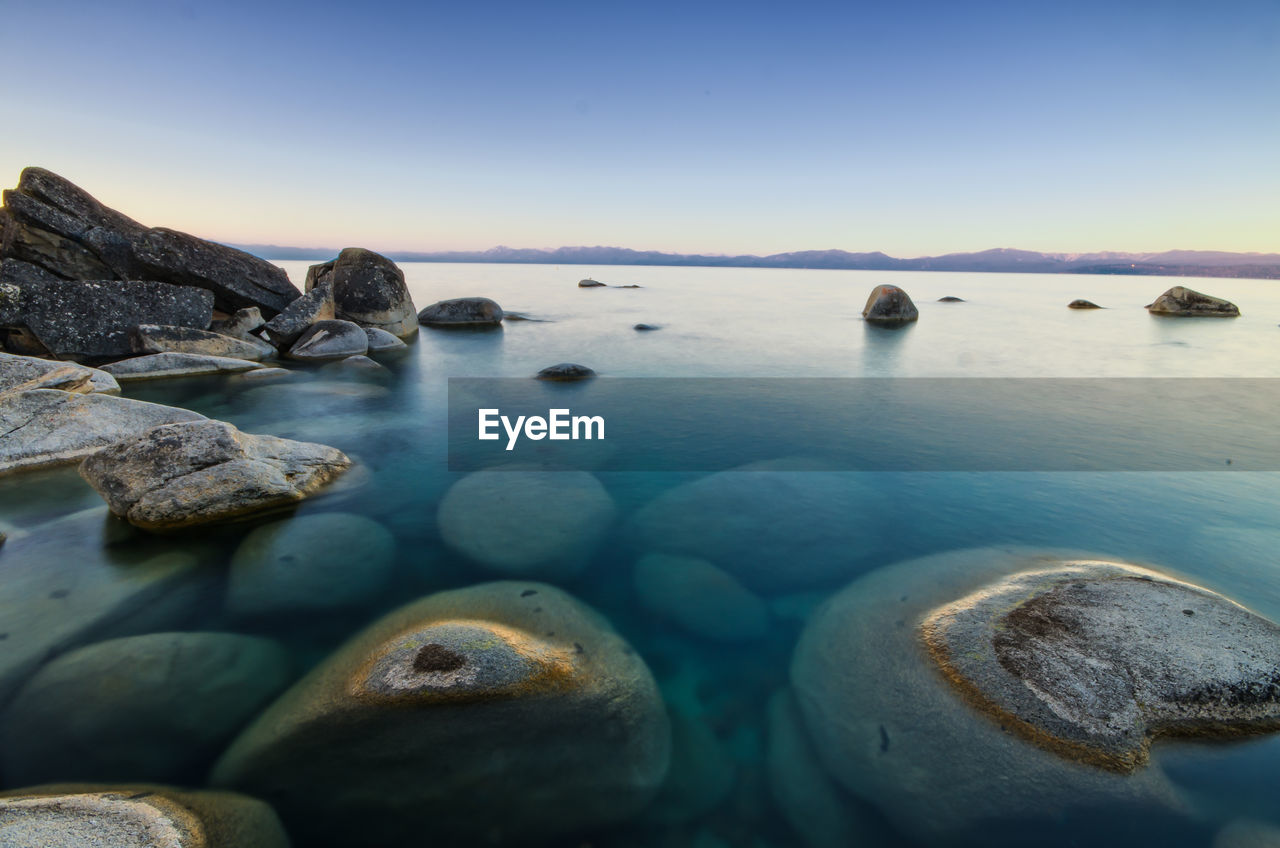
[
  {"x": 631, "y": 286},
  {"x": 566, "y": 372},
  {"x": 369, "y": 290},
  {"x": 23, "y": 373},
  {"x": 501, "y": 713},
  {"x": 326, "y": 341},
  {"x": 951, "y": 299},
  {"x": 180, "y": 475},
  {"x": 380, "y": 341},
  {"x": 50, "y": 223},
  {"x": 135, "y": 816},
  {"x": 462, "y": 311},
  {"x": 646, "y": 327},
  {"x": 1083, "y": 304},
  {"x": 155, "y": 707},
  {"x": 154, "y": 338},
  {"x": 772, "y": 530},
  {"x": 889, "y": 305},
  {"x": 701, "y": 598},
  {"x": 262, "y": 375},
  {"x": 161, "y": 365},
  {"x": 358, "y": 367},
  {"x": 1095, "y": 659},
  {"x": 1180, "y": 300},
  {"x": 1244, "y": 833},
  {"x": 15, "y": 271},
  {"x": 312, "y": 562},
  {"x": 589, "y": 284},
  {"x": 893, "y": 730},
  {"x": 312, "y": 308},
  {"x": 47, "y": 427},
  {"x": 701, "y": 775},
  {"x": 93, "y": 319},
  {"x": 241, "y": 325},
  {"x": 544, "y": 523}
]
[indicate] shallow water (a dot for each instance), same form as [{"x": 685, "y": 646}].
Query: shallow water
[{"x": 1218, "y": 528}]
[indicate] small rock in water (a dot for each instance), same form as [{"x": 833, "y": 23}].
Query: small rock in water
[
  {"x": 462, "y": 312},
  {"x": 630, "y": 286},
  {"x": 326, "y": 341},
  {"x": 589, "y": 284},
  {"x": 1083, "y": 304},
  {"x": 158, "y": 366},
  {"x": 950, "y": 299},
  {"x": 360, "y": 367},
  {"x": 380, "y": 341},
  {"x": 566, "y": 372},
  {"x": 646, "y": 327},
  {"x": 702, "y": 599},
  {"x": 156, "y": 338},
  {"x": 1180, "y": 300},
  {"x": 889, "y": 305}
]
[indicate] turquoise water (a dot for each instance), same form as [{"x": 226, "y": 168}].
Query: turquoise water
[{"x": 1217, "y": 528}]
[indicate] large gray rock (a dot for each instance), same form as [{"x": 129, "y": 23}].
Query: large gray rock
[
  {"x": 51, "y": 223},
  {"x": 462, "y": 312},
  {"x": 327, "y": 341},
  {"x": 47, "y": 427},
  {"x": 889, "y": 305},
  {"x": 156, "y": 338},
  {"x": 311, "y": 308},
  {"x": 1095, "y": 659},
  {"x": 23, "y": 373},
  {"x": 181, "y": 475},
  {"x": 501, "y": 713},
  {"x": 702, "y": 599},
  {"x": 890, "y": 728},
  {"x": 1181, "y": 300},
  {"x": 134, "y": 816},
  {"x": 158, "y": 366},
  {"x": 154, "y": 707},
  {"x": 93, "y": 319},
  {"x": 369, "y": 290}
]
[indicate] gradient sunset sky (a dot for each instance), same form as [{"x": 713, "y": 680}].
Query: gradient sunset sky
[{"x": 908, "y": 127}]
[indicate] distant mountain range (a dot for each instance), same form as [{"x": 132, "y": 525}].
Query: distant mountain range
[{"x": 1175, "y": 263}]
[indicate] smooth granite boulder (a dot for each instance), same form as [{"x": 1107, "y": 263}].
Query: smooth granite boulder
[
  {"x": 181, "y": 475},
  {"x": 369, "y": 290},
  {"x": 134, "y": 816},
  {"x": 1081, "y": 303},
  {"x": 891, "y": 728},
  {"x": 46, "y": 427},
  {"x": 702, "y": 599},
  {"x": 156, "y": 338},
  {"x": 889, "y": 305},
  {"x": 51, "y": 223},
  {"x": 701, "y": 776},
  {"x": 327, "y": 341},
  {"x": 503, "y": 713},
  {"x": 241, "y": 324},
  {"x": 951, "y": 299},
  {"x": 527, "y": 523},
  {"x": 566, "y": 372},
  {"x": 1183, "y": 301},
  {"x": 156, "y": 707},
  {"x": 380, "y": 341},
  {"x": 93, "y": 319},
  {"x": 312, "y": 308},
  {"x": 157, "y": 366},
  {"x": 23, "y": 373},
  {"x": 462, "y": 312}
]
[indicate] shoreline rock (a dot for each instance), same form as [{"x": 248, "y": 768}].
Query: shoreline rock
[
  {"x": 328, "y": 341},
  {"x": 368, "y": 290}
]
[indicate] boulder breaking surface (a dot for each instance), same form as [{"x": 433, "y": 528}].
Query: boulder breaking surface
[
  {"x": 1181, "y": 300},
  {"x": 1095, "y": 659},
  {"x": 889, "y": 305},
  {"x": 462, "y": 312}
]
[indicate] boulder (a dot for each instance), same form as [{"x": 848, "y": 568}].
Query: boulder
[
  {"x": 516, "y": 522},
  {"x": 702, "y": 599},
  {"x": 1093, "y": 660},
  {"x": 92, "y": 319},
  {"x": 267, "y": 374},
  {"x": 565, "y": 372},
  {"x": 589, "y": 284},
  {"x": 312, "y": 562},
  {"x": 1180, "y": 300},
  {"x": 135, "y": 816},
  {"x": 701, "y": 776},
  {"x": 163, "y": 365},
  {"x": 240, "y": 325},
  {"x": 889, "y": 305},
  {"x": 1080, "y": 303},
  {"x": 369, "y": 290},
  {"x": 462, "y": 312},
  {"x": 154, "y": 707},
  {"x": 501, "y": 713},
  {"x": 313, "y": 307},
  {"x": 23, "y": 373},
  {"x": 889, "y": 727},
  {"x": 327, "y": 341},
  {"x": 380, "y": 341},
  {"x": 15, "y": 271},
  {"x": 46, "y": 427},
  {"x": 50, "y": 223},
  {"x": 357, "y": 367},
  {"x": 181, "y": 475},
  {"x": 156, "y": 338},
  {"x": 951, "y": 299},
  {"x": 646, "y": 327}
]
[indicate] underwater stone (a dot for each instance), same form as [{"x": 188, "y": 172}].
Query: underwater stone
[
  {"x": 889, "y": 305},
  {"x": 702, "y": 599},
  {"x": 701, "y": 776},
  {"x": 1181, "y": 300}
]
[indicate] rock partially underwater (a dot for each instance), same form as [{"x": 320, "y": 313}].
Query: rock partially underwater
[
  {"x": 368, "y": 290},
  {"x": 1183, "y": 301},
  {"x": 889, "y": 305},
  {"x": 462, "y": 312}
]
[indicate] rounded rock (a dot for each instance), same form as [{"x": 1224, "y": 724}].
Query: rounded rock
[
  {"x": 326, "y": 341},
  {"x": 889, "y": 305},
  {"x": 704, "y": 600},
  {"x": 462, "y": 312},
  {"x": 565, "y": 372},
  {"x": 1080, "y": 303}
]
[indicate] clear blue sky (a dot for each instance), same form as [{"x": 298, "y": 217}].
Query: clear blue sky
[{"x": 909, "y": 127}]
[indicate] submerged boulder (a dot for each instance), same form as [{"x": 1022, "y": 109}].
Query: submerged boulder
[
  {"x": 1083, "y": 304},
  {"x": 501, "y": 713},
  {"x": 158, "y": 366},
  {"x": 462, "y": 312},
  {"x": 368, "y": 289},
  {"x": 1180, "y": 300},
  {"x": 180, "y": 475},
  {"x": 702, "y": 599},
  {"x": 889, "y": 305},
  {"x": 52, "y": 224},
  {"x": 156, "y": 338},
  {"x": 296, "y": 318},
  {"x": 566, "y": 372},
  {"x": 327, "y": 341},
  {"x": 241, "y": 324}
]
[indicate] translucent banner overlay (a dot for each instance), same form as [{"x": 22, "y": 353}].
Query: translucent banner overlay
[{"x": 833, "y": 424}]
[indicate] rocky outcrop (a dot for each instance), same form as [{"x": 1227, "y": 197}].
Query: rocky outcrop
[
  {"x": 180, "y": 475},
  {"x": 47, "y": 427},
  {"x": 327, "y": 341},
  {"x": 566, "y": 372},
  {"x": 56, "y": 226},
  {"x": 702, "y": 599},
  {"x": 462, "y": 312},
  {"x": 155, "y": 338},
  {"x": 312, "y": 308},
  {"x": 1181, "y": 300},
  {"x": 135, "y": 816},
  {"x": 889, "y": 305},
  {"x": 1081, "y": 303},
  {"x": 369, "y": 290},
  {"x": 165, "y": 365},
  {"x": 155, "y": 707},
  {"x": 23, "y": 373},
  {"x": 92, "y": 320},
  {"x": 502, "y": 713}
]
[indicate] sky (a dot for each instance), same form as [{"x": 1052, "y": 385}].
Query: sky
[{"x": 915, "y": 128}]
